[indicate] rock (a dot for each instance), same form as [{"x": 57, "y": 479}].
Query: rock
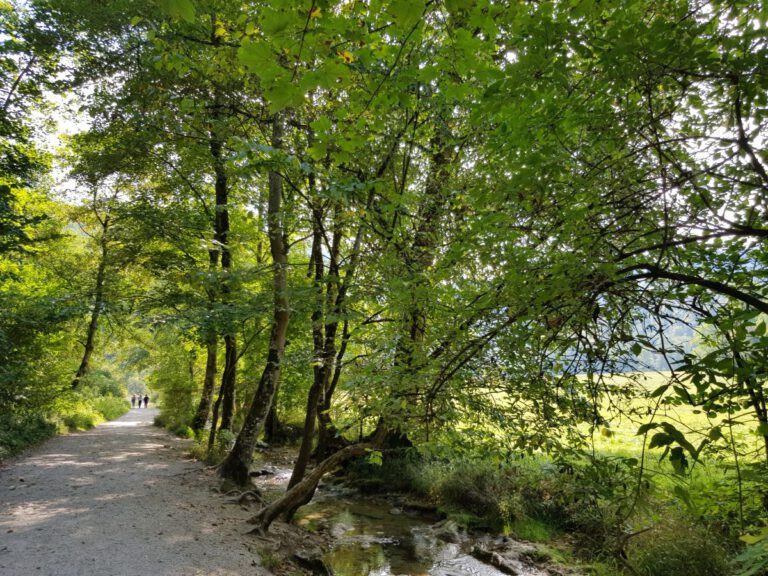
[
  {"x": 495, "y": 560},
  {"x": 262, "y": 472},
  {"x": 395, "y": 511},
  {"x": 448, "y": 531},
  {"x": 423, "y": 510},
  {"x": 339, "y": 529},
  {"x": 311, "y": 560}
]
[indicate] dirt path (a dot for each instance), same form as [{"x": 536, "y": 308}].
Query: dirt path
[{"x": 118, "y": 500}]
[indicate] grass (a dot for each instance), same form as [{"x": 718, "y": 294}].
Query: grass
[
  {"x": 530, "y": 529},
  {"x": 681, "y": 523}
]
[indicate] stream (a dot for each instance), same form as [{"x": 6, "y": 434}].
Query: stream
[{"x": 372, "y": 536}]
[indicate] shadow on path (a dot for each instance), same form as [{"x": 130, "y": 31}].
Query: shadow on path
[{"x": 120, "y": 500}]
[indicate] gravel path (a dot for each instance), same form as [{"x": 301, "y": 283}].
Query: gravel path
[{"x": 119, "y": 500}]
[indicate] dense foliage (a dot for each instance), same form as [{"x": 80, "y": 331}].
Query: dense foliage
[{"x": 442, "y": 225}]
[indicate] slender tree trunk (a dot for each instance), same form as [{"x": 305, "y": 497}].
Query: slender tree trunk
[
  {"x": 236, "y": 466},
  {"x": 221, "y": 238},
  {"x": 209, "y": 382},
  {"x": 98, "y": 306},
  {"x": 228, "y": 380},
  {"x": 417, "y": 260},
  {"x": 211, "y": 349},
  {"x": 319, "y": 362},
  {"x": 302, "y": 492},
  {"x": 214, "y": 421},
  {"x": 272, "y": 425},
  {"x": 328, "y": 439}
]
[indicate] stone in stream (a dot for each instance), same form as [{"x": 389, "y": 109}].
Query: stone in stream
[
  {"x": 311, "y": 560},
  {"x": 448, "y": 531}
]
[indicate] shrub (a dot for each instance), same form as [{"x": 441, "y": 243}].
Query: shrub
[
  {"x": 20, "y": 431},
  {"x": 753, "y": 560},
  {"x": 397, "y": 472},
  {"x": 80, "y": 417},
  {"x": 674, "y": 547},
  {"x": 110, "y": 407},
  {"x": 479, "y": 488},
  {"x": 224, "y": 441},
  {"x": 182, "y": 430}
]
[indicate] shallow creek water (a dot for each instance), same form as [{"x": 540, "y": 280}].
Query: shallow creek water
[{"x": 373, "y": 537}]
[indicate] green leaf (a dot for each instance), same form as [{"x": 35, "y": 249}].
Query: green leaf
[
  {"x": 179, "y": 9},
  {"x": 678, "y": 460},
  {"x": 636, "y": 349},
  {"x": 659, "y": 391},
  {"x": 715, "y": 433},
  {"x": 375, "y": 457},
  {"x": 275, "y": 22},
  {"x": 321, "y": 125},
  {"x": 645, "y": 427},
  {"x": 762, "y": 429},
  {"x": 283, "y": 94},
  {"x": 660, "y": 439},
  {"x": 407, "y": 12},
  {"x": 255, "y": 55}
]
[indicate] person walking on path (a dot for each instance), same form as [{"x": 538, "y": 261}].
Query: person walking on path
[
  {"x": 133, "y": 401},
  {"x": 146, "y": 401}
]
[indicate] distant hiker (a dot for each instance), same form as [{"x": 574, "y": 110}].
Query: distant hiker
[
  {"x": 138, "y": 401},
  {"x": 133, "y": 401},
  {"x": 146, "y": 401}
]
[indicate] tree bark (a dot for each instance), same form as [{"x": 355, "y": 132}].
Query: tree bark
[
  {"x": 236, "y": 466},
  {"x": 272, "y": 425},
  {"x": 98, "y": 306},
  {"x": 418, "y": 259},
  {"x": 209, "y": 381},
  {"x": 328, "y": 439},
  {"x": 221, "y": 239},
  {"x": 228, "y": 382},
  {"x": 214, "y": 422},
  {"x": 302, "y": 492}
]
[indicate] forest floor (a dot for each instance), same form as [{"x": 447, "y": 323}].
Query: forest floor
[{"x": 119, "y": 500}]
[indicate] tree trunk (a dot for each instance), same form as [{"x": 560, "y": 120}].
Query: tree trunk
[
  {"x": 211, "y": 347},
  {"x": 302, "y": 492},
  {"x": 228, "y": 381},
  {"x": 418, "y": 259},
  {"x": 236, "y": 466},
  {"x": 214, "y": 422},
  {"x": 319, "y": 361},
  {"x": 272, "y": 425},
  {"x": 206, "y": 397},
  {"x": 328, "y": 439},
  {"x": 221, "y": 238},
  {"x": 98, "y": 306}
]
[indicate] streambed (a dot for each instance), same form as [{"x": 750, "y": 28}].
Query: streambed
[
  {"x": 377, "y": 536},
  {"x": 374, "y": 538}
]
